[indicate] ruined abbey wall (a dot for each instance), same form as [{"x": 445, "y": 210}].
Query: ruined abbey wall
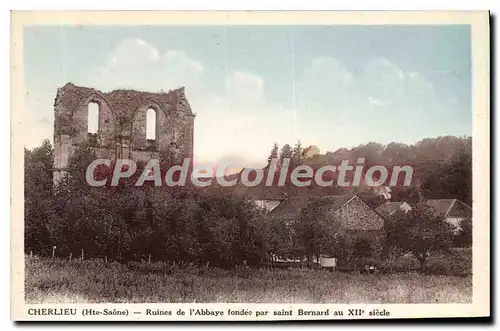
[{"x": 121, "y": 130}]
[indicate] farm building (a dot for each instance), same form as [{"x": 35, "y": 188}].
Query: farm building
[
  {"x": 453, "y": 210},
  {"x": 356, "y": 217},
  {"x": 310, "y": 151},
  {"x": 353, "y": 212},
  {"x": 391, "y": 207}
]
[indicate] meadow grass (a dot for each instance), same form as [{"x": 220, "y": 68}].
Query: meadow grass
[{"x": 94, "y": 281}]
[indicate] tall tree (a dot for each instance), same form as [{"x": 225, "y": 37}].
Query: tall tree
[
  {"x": 297, "y": 154},
  {"x": 452, "y": 180},
  {"x": 316, "y": 229},
  {"x": 419, "y": 231},
  {"x": 273, "y": 154},
  {"x": 38, "y": 201},
  {"x": 464, "y": 237},
  {"x": 286, "y": 152}
]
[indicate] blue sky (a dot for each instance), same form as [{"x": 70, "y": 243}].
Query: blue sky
[{"x": 251, "y": 86}]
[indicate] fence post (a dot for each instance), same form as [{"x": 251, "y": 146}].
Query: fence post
[
  {"x": 149, "y": 259},
  {"x": 53, "y": 251},
  {"x": 106, "y": 259},
  {"x": 82, "y": 253},
  {"x": 70, "y": 256}
]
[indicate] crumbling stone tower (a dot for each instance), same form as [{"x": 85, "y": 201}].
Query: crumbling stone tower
[{"x": 122, "y": 124}]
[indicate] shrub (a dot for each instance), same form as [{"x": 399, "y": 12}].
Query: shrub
[{"x": 456, "y": 265}]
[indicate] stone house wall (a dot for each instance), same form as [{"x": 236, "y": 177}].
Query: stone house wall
[{"x": 357, "y": 215}]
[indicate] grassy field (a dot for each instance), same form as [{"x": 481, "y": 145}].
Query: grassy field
[{"x": 91, "y": 281}]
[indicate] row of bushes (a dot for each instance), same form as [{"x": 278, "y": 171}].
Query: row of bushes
[
  {"x": 133, "y": 224},
  {"x": 457, "y": 264}
]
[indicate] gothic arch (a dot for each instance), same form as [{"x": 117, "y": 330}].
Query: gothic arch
[
  {"x": 96, "y": 97},
  {"x": 106, "y": 120},
  {"x": 164, "y": 124},
  {"x": 150, "y": 104}
]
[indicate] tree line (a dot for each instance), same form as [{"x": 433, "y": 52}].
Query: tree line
[{"x": 442, "y": 167}]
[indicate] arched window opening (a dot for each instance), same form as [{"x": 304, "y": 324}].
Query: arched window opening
[
  {"x": 93, "y": 117},
  {"x": 151, "y": 124}
]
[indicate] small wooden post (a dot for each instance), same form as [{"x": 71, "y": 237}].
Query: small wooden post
[
  {"x": 149, "y": 259},
  {"x": 82, "y": 253},
  {"x": 106, "y": 259},
  {"x": 70, "y": 256},
  {"x": 53, "y": 251}
]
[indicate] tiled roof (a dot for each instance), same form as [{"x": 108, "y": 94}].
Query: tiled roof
[
  {"x": 291, "y": 207},
  {"x": 444, "y": 206},
  {"x": 388, "y": 208},
  {"x": 441, "y": 206}
]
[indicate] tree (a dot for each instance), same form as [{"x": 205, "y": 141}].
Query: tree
[
  {"x": 452, "y": 180},
  {"x": 229, "y": 231},
  {"x": 38, "y": 202},
  {"x": 366, "y": 245},
  {"x": 75, "y": 177},
  {"x": 286, "y": 152},
  {"x": 464, "y": 236},
  {"x": 297, "y": 154},
  {"x": 281, "y": 238},
  {"x": 372, "y": 199},
  {"x": 396, "y": 153},
  {"x": 38, "y": 164},
  {"x": 419, "y": 232},
  {"x": 316, "y": 229},
  {"x": 273, "y": 154}
]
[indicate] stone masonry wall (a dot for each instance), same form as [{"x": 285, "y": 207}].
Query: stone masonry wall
[
  {"x": 357, "y": 215},
  {"x": 122, "y": 125}
]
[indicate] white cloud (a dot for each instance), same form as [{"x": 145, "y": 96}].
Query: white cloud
[
  {"x": 383, "y": 82},
  {"x": 418, "y": 88},
  {"x": 131, "y": 53},
  {"x": 245, "y": 87},
  {"x": 377, "y": 102},
  {"x": 135, "y": 64},
  {"x": 325, "y": 82},
  {"x": 329, "y": 69},
  {"x": 181, "y": 70}
]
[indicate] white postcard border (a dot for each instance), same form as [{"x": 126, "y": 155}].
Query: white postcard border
[{"x": 479, "y": 22}]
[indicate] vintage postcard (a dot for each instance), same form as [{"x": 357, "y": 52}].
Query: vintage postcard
[{"x": 250, "y": 166}]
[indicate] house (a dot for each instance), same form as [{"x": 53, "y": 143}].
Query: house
[
  {"x": 391, "y": 207},
  {"x": 356, "y": 217},
  {"x": 267, "y": 198},
  {"x": 354, "y": 214},
  {"x": 453, "y": 210},
  {"x": 310, "y": 151}
]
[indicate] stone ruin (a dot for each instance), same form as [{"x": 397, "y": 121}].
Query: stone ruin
[{"x": 122, "y": 125}]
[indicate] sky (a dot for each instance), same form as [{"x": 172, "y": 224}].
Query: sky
[{"x": 251, "y": 86}]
